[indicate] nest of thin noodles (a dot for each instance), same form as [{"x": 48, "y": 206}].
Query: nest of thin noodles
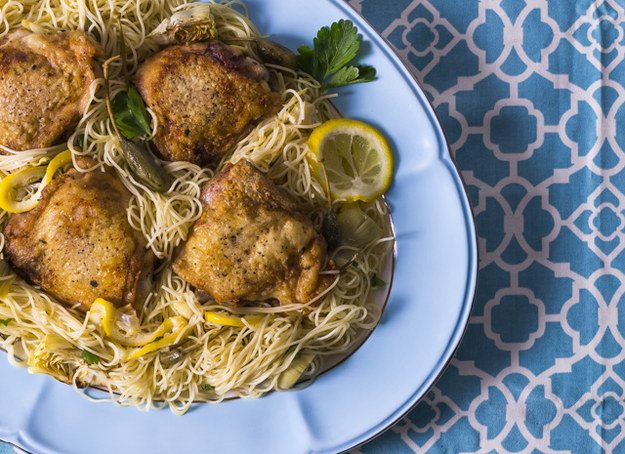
[{"x": 213, "y": 362}]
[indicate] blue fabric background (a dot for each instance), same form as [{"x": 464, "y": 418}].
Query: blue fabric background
[{"x": 531, "y": 96}]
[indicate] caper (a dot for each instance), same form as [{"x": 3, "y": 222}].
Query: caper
[
  {"x": 144, "y": 166},
  {"x": 273, "y": 52},
  {"x": 269, "y": 51},
  {"x": 138, "y": 157},
  {"x": 170, "y": 358},
  {"x": 331, "y": 229}
]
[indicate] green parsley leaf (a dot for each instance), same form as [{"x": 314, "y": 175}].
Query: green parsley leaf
[
  {"x": 89, "y": 357},
  {"x": 207, "y": 388},
  {"x": 131, "y": 115},
  {"x": 333, "y": 49},
  {"x": 343, "y": 76},
  {"x": 375, "y": 281},
  {"x": 352, "y": 75},
  {"x": 336, "y": 46},
  {"x": 5, "y": 321},
  {"x": 366, "y": 73},
  {"x": 307, "y": 61}
]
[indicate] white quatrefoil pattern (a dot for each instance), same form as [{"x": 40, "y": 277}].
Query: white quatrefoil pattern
[{"x": 531, "y": 95}]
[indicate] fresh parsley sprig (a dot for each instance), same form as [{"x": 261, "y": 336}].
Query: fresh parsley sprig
[
  {"x": 129, "y": 111},
  {"x": 131, "y": 115},
  {"x": 334, "y": 48}
]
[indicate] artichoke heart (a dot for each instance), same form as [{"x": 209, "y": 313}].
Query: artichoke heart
[
  {"x": 56, "y": 357},
  {"x": 292, "y": 375},
  {"x": 189, "y": 25}
]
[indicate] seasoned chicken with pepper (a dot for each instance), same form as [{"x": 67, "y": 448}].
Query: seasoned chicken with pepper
[
  {"x": 77, "y": 244},
  {"x": 205, "y": 96},
  {"x": 251, "y": 243},
  {"x": 44, "y": 85}
]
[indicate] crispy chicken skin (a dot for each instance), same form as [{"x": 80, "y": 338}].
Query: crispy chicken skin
[
  {"x": 205, "y": 95},
  {"x": 251, "y": 243},
  {"x": 77, "y": 244},
  {"x": 44, "y": 85}
]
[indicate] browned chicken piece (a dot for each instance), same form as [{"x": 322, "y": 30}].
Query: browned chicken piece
[
  {"x": 77, "y": 244},
  {"x": 251, "y": 243},
  {"x": 44, "y": 85},
  {"x": 205, "y": 95}
]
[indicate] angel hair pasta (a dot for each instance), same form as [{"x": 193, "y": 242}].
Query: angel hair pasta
[{"x": 198, "y": 350}]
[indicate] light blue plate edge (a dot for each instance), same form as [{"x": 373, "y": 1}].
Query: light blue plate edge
[{"x": 470, "y": 291}]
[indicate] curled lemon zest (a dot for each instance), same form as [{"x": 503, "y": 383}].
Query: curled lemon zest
[
  {"x": 178, "y": 326},
  {"x": 221, "y": 318},
  {"x": 61, "y": 160},
  {"x": 103, "y": 312},
  {"x": 14, "y": 181}
]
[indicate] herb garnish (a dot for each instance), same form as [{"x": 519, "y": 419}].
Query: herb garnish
[
  {"x": 375, "y": 281},
  {"x": 89, "y": 357},
  {"x": 136, "y": 154},
  {"x": 333, "y": 49},
  {"x": 131, "y": 115},
  {"x": 5, "y": 321},
  {"x": 140, "y": 160},
  {"x": 129, "y": 111}
]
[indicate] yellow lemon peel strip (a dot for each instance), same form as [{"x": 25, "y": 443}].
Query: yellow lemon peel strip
[
  {"x": 104, "y": 313},
  {"x": 14, "y": 181},
  {"x": 230, "y": 320}
]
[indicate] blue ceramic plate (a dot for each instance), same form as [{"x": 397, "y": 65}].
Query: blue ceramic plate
[{"x": 432, "y": 294}]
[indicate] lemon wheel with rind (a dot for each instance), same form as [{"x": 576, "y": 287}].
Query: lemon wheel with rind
[{"x": 357, "y": 158}]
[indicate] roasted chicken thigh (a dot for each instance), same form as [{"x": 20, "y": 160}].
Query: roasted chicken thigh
[
  {"x": 77, "y": 244},
  {"x": 204, "y": 95},
  {"x": 44, "y": 85},
  {"x": 251, "y": 243}
]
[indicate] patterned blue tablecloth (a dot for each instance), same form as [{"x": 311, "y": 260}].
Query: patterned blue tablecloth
[{"x": 529, "y": 93}]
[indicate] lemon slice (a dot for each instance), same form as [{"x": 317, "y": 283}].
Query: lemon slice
[
  {"x": 357, "y": 157},
  {"x": 230, "y": 320},
  {"x": 12, "y": 183}
]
